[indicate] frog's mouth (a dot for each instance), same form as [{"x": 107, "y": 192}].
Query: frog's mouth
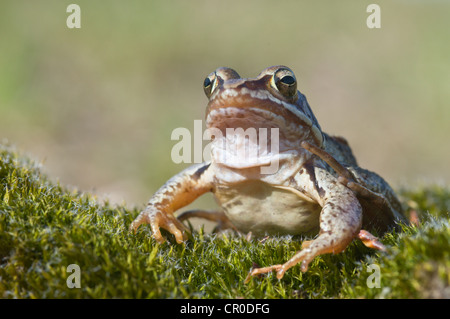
[{"x": 252, "y": 136}]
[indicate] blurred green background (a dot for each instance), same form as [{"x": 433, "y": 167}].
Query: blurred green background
[{"x": 97, "y": 105}]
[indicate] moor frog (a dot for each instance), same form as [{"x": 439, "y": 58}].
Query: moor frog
[{"x": 318, "y": 187}]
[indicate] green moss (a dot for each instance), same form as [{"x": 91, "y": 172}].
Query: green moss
[{"x": 44, "y": 228}]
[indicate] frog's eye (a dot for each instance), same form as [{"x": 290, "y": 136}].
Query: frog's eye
[
  {"x": 210, "y": 84},
  {"x": 285, "y": 82}
]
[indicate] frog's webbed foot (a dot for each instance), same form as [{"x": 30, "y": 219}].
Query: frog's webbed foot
[
  {"x": 219, "y": 217},
  {"x": 325, "y": 243},
  {"x": 156, "y": 218},
  {"x": 311, "y": 248},
  {"x": 179, "y": 191}
]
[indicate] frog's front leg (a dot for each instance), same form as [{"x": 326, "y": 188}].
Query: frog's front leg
[
  {"x": 179, "y": 191},
  {"x": 382, "y": 206},
  {"x": 340, "y": 222}
]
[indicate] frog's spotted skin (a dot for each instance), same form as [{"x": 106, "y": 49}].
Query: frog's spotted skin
[{"x": 318, "y": 187}]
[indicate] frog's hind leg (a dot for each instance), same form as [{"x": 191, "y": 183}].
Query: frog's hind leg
[
  {"x": 382, "y": 211},
  {"x": 219, "y": 217}
]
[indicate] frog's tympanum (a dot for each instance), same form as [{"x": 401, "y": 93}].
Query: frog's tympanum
[{"x": 317, "y": 188}]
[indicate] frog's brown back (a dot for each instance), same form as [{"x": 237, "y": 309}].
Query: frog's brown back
[{"x": 338, "y": 147}]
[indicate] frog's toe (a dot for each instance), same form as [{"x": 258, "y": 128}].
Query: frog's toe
[
  {"x": 259, "y": 271},
  {"x": 370, "y": 240},
  {"x": 324, "y": 244},
  {"x": 169, "y": 223},
  {"x": 157, "y": 220},
  {"x": 302, "y": 256},
  {"x": 137, "y": 222}
]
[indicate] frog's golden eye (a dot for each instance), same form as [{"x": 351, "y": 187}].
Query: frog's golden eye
[
  {"x": 285, "y": 82},
  {"x": 210, "y": 84}
]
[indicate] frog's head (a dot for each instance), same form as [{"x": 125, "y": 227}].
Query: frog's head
[{"x": 271, "y": 100}]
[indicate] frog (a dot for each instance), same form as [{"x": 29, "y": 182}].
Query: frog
[{"x": 317, "y": 188}]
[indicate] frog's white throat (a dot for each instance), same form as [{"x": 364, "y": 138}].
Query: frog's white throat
[
  {"x": 255, "y": 143},
  {"x": 273, "y": 168}
]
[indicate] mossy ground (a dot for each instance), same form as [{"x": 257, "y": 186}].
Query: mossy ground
[{"x": 45, "y": 227}]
